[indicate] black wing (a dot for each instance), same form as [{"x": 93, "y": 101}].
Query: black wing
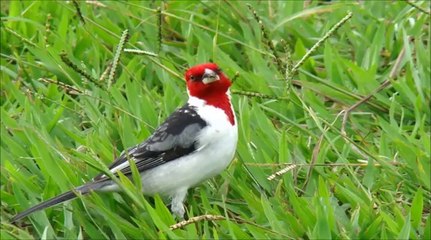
[{"x": 175, "y": 138}]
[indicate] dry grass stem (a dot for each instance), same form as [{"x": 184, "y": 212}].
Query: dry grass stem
[
  {"x": 392, "y": 75},
  {"x": 281, "y": 172},
  {"x": 196, "y": 219},
  {"x": 67, "y": 88},
  {"x": 95, "y": 3},
  {"x": 316, "y": 151}
]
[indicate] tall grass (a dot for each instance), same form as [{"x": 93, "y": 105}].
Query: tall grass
[{"x": 307, "y": 164}]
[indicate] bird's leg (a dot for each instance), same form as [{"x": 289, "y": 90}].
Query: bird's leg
[{"x": 177, "y": 206}]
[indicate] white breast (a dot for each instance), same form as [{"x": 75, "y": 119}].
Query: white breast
[{"x": 216, "y": 148}]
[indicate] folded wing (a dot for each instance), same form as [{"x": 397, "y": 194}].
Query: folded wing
[{"x": 175, "y": 138}]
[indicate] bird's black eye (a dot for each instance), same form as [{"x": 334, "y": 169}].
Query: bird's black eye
[{"x": 192, "y": 77}]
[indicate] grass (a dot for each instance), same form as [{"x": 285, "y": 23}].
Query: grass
[{"x": 339, "y": 172}]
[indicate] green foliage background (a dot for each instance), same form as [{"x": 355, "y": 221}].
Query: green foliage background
[{"x": 372, "y": 183}]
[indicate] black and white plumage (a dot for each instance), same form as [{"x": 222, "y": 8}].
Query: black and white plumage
[
  {"x": 195, "y": 143},
  {"x": 175, "y": 138}
]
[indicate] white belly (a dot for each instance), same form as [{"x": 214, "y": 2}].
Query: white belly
[
  {"x": 192, "y": 169},
  {"x": 216, "y": 149}
]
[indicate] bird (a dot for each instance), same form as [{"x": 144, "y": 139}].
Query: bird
[{"x": 195, "y": 143}]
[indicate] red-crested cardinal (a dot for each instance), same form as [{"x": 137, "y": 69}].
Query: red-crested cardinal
[{"x": 195, "y": 143}]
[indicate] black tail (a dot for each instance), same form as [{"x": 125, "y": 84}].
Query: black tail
[
  {"x": 60, "y": 198},
  {"x": 51, "y": 202}
]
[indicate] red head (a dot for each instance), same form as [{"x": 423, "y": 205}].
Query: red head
[{"x": 207, "y": 82}]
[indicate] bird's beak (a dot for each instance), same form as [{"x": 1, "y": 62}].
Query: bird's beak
[{"x": 210, "y": 76}]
